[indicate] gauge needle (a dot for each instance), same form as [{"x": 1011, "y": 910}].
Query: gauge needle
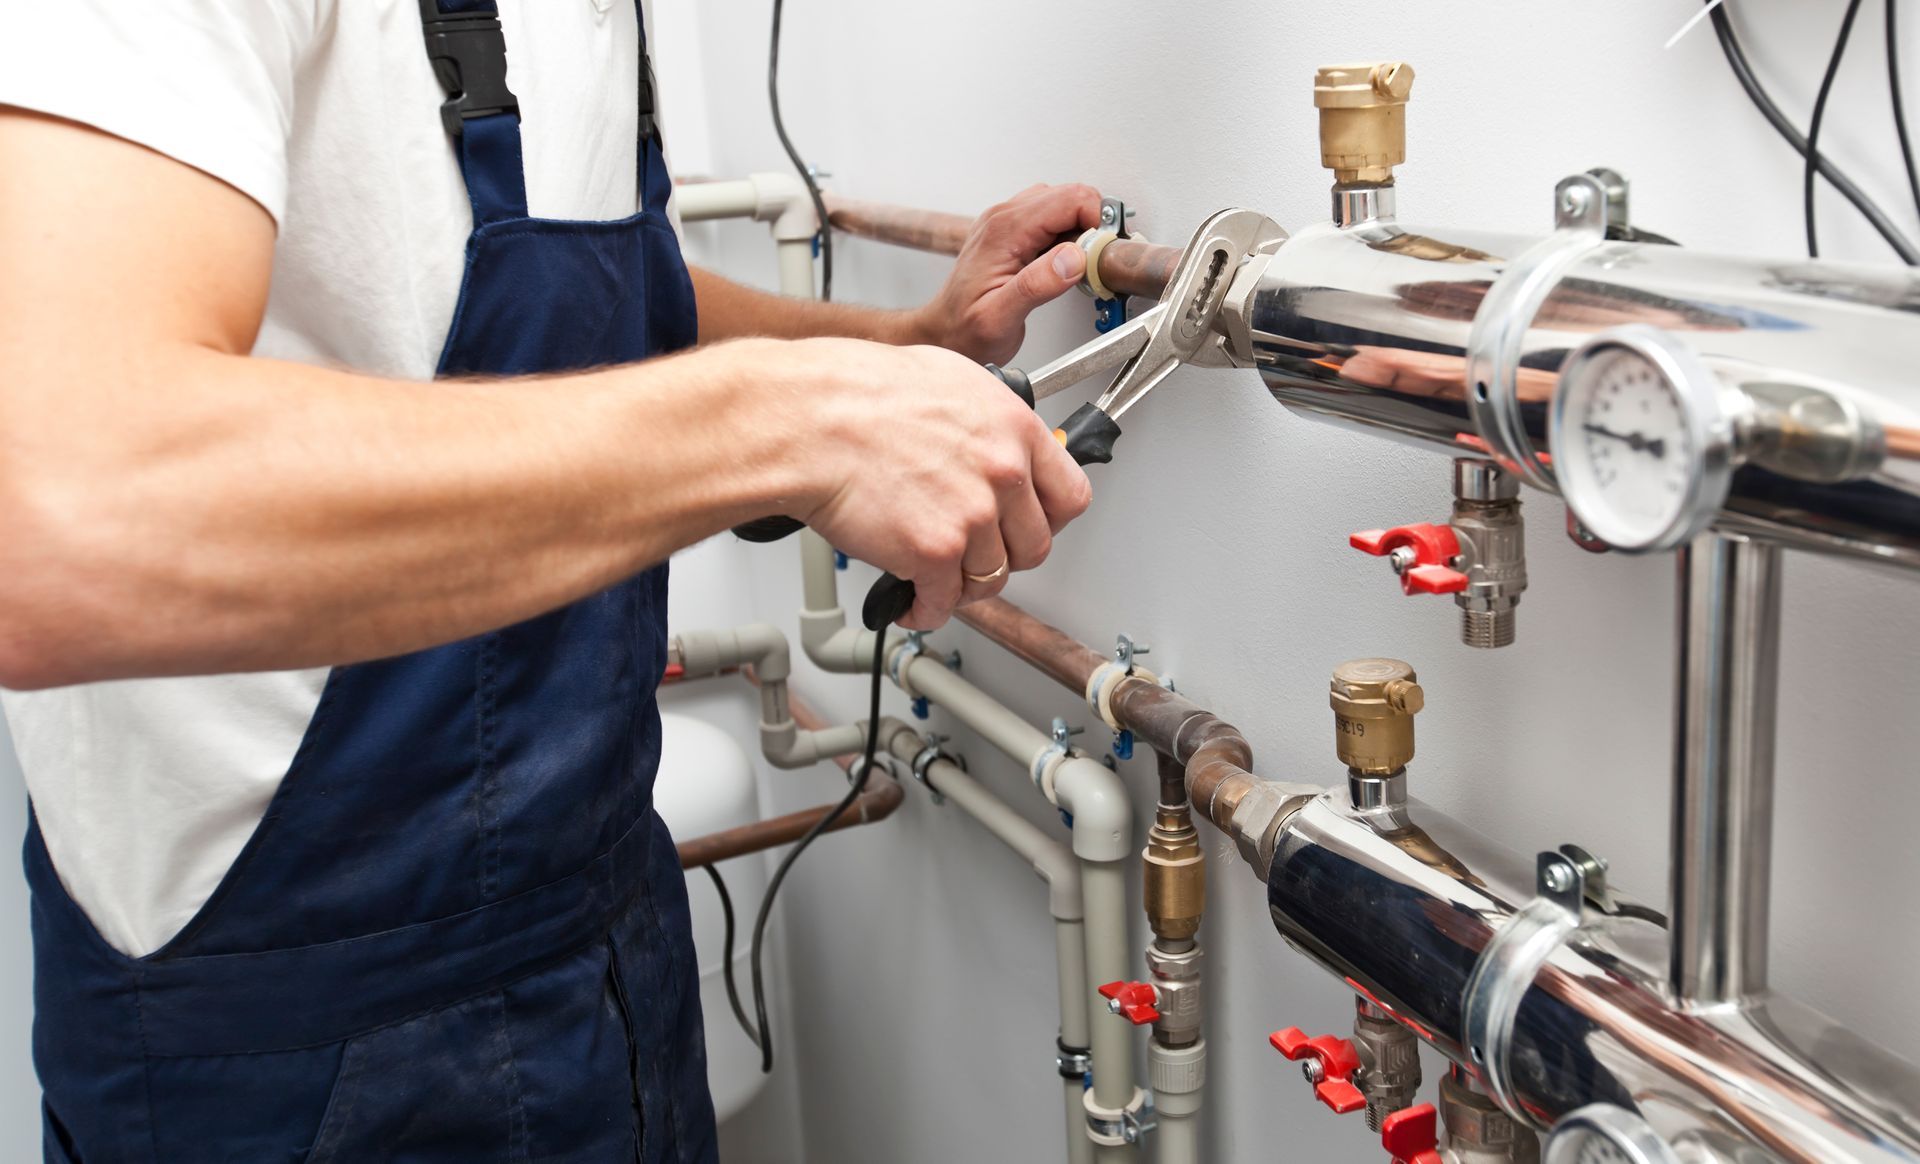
[{"x": 1634, "y": 440}]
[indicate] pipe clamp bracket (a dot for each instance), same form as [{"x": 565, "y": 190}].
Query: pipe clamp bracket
[
  {"x": 1100, "y": 688},
  {"x": 1513, "y": 958},
  {"x": 1129, "y": 1125},
  {"x": 1497, "y": 341},
  {"x": 925, "y": 758}
]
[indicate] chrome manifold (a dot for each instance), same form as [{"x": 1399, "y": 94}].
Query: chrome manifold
[
  {"x": 1374, "y": 324},
  {"x": 1400, "y": 903}
]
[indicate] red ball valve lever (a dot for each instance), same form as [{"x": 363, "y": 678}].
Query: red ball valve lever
[
  {"x": 1137, "y": 1002},
  {"x": 1329, "y": 1063},
  {"x": 1412, "y": 1135},
  {"x": 1422, "y": 555}
]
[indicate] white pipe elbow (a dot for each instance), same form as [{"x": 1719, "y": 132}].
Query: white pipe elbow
[
  {"x": 1102, "y": 816},
  {"x": 782, "y": 199},
  {"x": 1062, "y": 875},
  {"x": 705, "y": 653},
  {"x": 786, "y": 747},
  {"x": 837, "y": 648}
]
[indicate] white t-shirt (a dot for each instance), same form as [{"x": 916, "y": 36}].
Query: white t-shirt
[{"x": 326, "y": 113}]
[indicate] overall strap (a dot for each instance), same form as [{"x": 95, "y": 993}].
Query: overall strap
[
  {"x": 469, "y": 55},
  {"x": 653, "y": 184}
]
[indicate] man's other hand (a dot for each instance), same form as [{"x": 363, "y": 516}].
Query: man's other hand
[
  {"x": 1013, "y": 261},
  {"x": 951, "y": 486}
]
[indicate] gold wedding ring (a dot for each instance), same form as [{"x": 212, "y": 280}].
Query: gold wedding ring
[{"x": 993, "y": 577}]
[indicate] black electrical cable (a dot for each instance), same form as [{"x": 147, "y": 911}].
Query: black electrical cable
[
  {"x": 1820, "y": 116},
  {"x": 1899, "y": 102},
  {"x": 726, "y": 972},
  {"x": 1743, "y": 72},
  {"x": 765, "y": 1041},
  {"x": 793, "y": 155}
]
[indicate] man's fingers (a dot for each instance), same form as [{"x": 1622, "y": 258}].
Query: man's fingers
[
  {"x": 935, "y": 594},
  {"x": 1024, "y": 528},
  {"x": 1041, "y": 281},
  {"x": 986, "y": 557},
  {"x": 1050, "y": 211},
  {"x": 1061, "y": 486}
]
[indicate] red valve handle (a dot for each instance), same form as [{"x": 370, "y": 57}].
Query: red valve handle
[
  {"x": 1338, "y": 1061},
  {"x": 1412, "y": 1135},
  {"x": 1433, "y": 546},
  {"x": 1134, "y": 1001}
]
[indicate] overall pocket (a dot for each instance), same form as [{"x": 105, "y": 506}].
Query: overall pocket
[{"x": 538, "y": 1070}]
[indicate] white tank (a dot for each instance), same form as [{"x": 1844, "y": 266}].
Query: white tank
[{"x": 705, "y": 784}]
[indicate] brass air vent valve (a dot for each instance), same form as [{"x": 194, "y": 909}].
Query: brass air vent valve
[
  {"x": 1374, "y": 702},
  {"x": 1363, "y": 134}
]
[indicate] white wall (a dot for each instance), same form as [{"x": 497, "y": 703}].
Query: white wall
[
  {"x": 919, "y": 988},
  {"x": 919, "y": 950}
]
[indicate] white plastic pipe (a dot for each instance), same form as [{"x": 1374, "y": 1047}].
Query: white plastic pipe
[
  {"x": 1104, "y": 888},
  {"x": 1102, "y": 831},
  {"x": 1090, "y": 792},
  {"x": 1057, "y": 867},
  {"x": 824, "y": 634},
  {"x": 796, "y": 267},
  {"x": 705, "y": 201},
  {"x": 1178, "y": 1077},
  {"x": 1070, "y": 955},
  {"x": 774, "y": 197},
  {"x": 779, "y": 199},
  {"x": 763, "y": 647}
]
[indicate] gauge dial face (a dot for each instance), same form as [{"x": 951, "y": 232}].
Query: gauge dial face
[
  {"x": 1631, "y": 444},
  {"x": 1601, "y": 1133},
  {"x": 1589, "y": 1147}
]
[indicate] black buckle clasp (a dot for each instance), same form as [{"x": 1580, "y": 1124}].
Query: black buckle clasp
[{"x": 469, "y": 55}]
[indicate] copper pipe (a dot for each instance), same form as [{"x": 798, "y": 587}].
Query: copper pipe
[
  {"x": 876, "y": 803},
  {"x": 1173, "y": 781},
  {"x": 1215, "y": 756},
  {"x": 1127, "y": 266}
]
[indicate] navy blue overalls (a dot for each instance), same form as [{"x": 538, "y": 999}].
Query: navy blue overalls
[{"x": 460, "y": 934}]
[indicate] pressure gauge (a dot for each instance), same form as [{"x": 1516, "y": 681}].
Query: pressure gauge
[
  {"x": 1601, "y": 1133},
  {"x": 1642, "y": 439}
]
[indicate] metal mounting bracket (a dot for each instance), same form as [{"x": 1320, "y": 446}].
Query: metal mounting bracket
[
  {"x": 1497, "y": 341},
  {"x": 1510, "y": 963}
]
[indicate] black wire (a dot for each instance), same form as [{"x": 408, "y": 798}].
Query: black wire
[
  {"x": 1899, "y": 102},
  {"x": 793, "y": 155},
  {"x": 765, "y": 1040},
  {"x": 1819, "y": 116},
  {"x": 733, "y": 991},
  {"x": 1743, "y": 72}
]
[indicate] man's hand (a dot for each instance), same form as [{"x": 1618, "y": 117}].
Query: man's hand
[
  {"x": 955, "y": 477},
  {"x": 1014, "y": 260}
]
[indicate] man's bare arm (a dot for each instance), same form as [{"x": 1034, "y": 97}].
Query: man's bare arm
[
  {"x": 172, "y": 505},
  {"x": 1012, "y": 262}
]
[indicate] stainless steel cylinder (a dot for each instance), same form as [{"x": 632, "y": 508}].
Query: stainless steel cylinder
[
  {"x": 1727, "y": 688},
  {"x": 1400, "y": 907},
  {"x": 1369, "y": 326}
]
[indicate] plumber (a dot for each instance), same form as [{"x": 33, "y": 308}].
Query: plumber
[{"x": 344, "y": 438}]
